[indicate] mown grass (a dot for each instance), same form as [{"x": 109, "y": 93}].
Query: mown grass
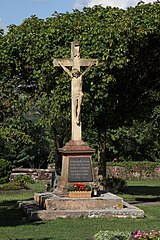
[
  {"x": 142, "y": 190},
  {"x": 15, "y": 225}
]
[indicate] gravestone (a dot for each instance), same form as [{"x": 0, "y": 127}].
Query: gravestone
[{"x": 76, "y": 154}]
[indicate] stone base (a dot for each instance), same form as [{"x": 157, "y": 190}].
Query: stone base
[
  {"x": 76, "y": 166},
  {"x": 34, "y": 214},
  {"x": 48, "y": 206},
  {"x": 107, "y": 200}
]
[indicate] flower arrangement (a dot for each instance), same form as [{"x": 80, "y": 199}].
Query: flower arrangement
[
  {"x": 142, "y": 235},
  {"x": 79, "y": 187}
]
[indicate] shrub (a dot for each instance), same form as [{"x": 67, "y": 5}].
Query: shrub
[
  {"x": 5, "y": 170},
  {"x": 23, "y": 180},
  {"x": 19, "y": 182},
  {"x": 117, "y": 235},
  {"x": 142, "y": 235},
  {"x": 112, "y": 235},
  {"x": 10, "y": 186},
  {"x": 115, "y": 185}
]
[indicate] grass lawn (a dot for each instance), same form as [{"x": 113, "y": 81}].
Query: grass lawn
[
  {"x": 142, "y": 191},
  {"x": 14, "y": 224}
]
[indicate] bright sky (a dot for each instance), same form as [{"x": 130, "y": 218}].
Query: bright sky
[{"x": 15, "y": 11}]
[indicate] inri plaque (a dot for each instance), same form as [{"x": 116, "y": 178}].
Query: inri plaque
[{"x": 80, "y": 170}]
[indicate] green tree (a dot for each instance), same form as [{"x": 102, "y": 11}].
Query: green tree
[{"x": 115, "y": 91}]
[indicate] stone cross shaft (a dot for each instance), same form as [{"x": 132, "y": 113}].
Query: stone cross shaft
[{"x": 76, "y": 85}]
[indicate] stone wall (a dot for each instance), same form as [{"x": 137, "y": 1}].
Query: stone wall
[
  {"x": 36, "y": 174},
  {"x": 116, "y": 171},
  {"x": 137, "y": 174}
]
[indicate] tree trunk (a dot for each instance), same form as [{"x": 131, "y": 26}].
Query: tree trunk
[{"x": 102, "y": 152}]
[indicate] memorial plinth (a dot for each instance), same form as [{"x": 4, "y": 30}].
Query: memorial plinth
[{"x": 76, "y": 165}]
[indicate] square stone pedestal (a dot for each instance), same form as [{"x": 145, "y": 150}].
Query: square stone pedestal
[
  {"x": 76, "y": 166},
  {"x": 104, "y": 201},
  {"x": 52, "y": 207}
]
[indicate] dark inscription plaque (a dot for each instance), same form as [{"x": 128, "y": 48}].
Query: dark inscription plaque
[{"x": 80, "y": 170}]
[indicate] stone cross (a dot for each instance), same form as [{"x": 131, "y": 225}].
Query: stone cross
[{"x": 76, "y": 85}]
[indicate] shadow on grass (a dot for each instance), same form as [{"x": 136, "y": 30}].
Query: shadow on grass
[
  {"x": 145, "y": 200},
  {"x": 143, "y": 190},
  {"x": 11, "y": 215},
  {"x": 144, "y": 194}
]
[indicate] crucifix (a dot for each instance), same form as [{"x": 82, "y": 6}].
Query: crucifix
[{"x": 76, "y": 85}]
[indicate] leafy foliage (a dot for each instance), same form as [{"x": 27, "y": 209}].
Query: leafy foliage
[
  {"x": 10, "y": 186},
  {"x": 115, "y": 235},
  {"x": 142, "y": 235},
  {"x": 112, "y": 235},
  {"x": 115, "y": 185},
  {"x": 139, "y": 142},
  {"x": 121, "y": 94},
  {"x": 23, "y": 179},
  {"x": 5, "y": 170},
  {"x": 19, "y": 182}
]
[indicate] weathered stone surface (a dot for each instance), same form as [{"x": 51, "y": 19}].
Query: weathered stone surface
[
  {"x": 128, "y": 211},
  {"x": 76, "y": 146},
  {"x": 74, "y": 150},
  {"x": 107, "y": 200},
  {"x": 76, "y": 85},
  {"x": 107, "y": 205},
  {"x": 36, "y": 174},
  {"x": 137, "y": 173},
  {"x": 40, "y": 198}
]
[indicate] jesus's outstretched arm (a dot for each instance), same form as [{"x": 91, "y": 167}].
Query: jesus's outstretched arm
[{"x": 66, "y": 69}]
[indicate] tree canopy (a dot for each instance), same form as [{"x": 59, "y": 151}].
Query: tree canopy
[{"x": 121, "y": 109}]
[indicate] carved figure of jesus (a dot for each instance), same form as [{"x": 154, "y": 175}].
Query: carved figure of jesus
[{"x": 77, "y": 93}]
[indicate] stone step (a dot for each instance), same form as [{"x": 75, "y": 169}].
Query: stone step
[
  {"x": 29, "y": 207},
  {"x": 53, "y": 202},
  {"x": 40, "y": 198},
  {"x": 38, "y": 214},
  {"x": 107, "y": 200},
  {"x": 48, "y": 206}
]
